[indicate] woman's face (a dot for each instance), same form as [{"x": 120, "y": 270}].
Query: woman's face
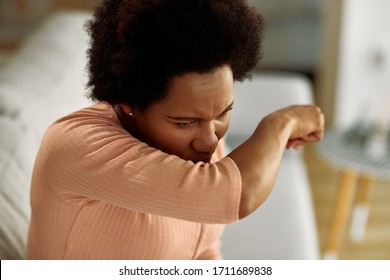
[{"x": 192, "y": 119}]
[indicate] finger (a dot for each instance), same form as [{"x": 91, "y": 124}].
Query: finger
[{"x": 294, "y": 143}]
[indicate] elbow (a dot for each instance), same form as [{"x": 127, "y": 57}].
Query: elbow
[
  {"x": 243, "y": 212},
  {"x": 252, "y": 197},
  {"x": 248, "y": 205}
]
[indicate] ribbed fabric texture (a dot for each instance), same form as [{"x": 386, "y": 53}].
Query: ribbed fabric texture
[{"x": 99, "y": 193}]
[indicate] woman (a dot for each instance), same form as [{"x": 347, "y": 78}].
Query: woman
[{"x": 141, "y": 174}]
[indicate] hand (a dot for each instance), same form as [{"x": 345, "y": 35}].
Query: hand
[
  {"x": 308, "y": 124},
  {"x": 258, "y": 159}
]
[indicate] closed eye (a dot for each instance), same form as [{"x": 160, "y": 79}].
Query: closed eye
[
  {"x": 184, "y": 124},
  {"x": 225, "y": 112}
]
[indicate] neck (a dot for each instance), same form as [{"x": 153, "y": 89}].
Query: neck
[
  {"x": 129, "y": 123},
  {"x": 123, "y": 118}
]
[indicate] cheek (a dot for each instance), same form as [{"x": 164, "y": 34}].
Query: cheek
[
  {"x": 222, "y": 132},
  {"x": 181, "y": 137},
  {"x": 173, "y": 139},
  {"x": 223, "y": 127}
]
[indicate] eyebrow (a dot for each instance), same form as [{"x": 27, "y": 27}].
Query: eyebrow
[{"x": 228, "y": 108}]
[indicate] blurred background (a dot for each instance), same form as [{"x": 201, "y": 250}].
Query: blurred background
[{"x": 342, "y": 46}]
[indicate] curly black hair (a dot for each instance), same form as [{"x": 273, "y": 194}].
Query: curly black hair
[{"x": 138, "y": 46}]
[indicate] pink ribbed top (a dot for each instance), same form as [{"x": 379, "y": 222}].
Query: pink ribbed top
[{"x": 99, "y": 193}]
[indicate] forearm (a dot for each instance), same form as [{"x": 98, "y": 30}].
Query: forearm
[{"x": 258, "y": 160}]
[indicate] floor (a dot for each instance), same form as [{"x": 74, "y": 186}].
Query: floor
[{"x": 324, "y": 179}]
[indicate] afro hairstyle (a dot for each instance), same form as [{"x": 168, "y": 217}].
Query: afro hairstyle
[{"x": 138, "y": 46}]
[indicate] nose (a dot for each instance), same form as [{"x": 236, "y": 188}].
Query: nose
[{"x": 206, "y": 139}]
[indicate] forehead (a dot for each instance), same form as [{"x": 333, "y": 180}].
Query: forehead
[{"x": 201, "y": 91}]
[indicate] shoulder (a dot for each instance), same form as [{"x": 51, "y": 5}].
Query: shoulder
[
  {"x": 84, "y": 131},
  {"x": 86, "y": 122},
  {"x": 99, "y": 113}
]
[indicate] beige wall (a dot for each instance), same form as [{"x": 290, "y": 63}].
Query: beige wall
[
  {"x": 363, "y": 88},
  {"x": 352, "y": 86},
  {"x": 325, "y": 86}
]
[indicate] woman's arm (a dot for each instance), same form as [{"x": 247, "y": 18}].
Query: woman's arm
[
  {"x": 88, "y": 157},
  {"x": 258, "y": 158}
]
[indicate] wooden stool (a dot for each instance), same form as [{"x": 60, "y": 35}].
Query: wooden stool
[{"x": 342, "y": 210}]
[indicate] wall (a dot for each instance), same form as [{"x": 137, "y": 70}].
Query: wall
[
  {"x": 19, "y": 17},
  {"x": 292, "y": 34},
  {"x": 363, "y": 81}
]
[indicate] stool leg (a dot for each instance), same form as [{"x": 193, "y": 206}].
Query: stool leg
[
  {"x": 340, "y": 215},
  {"x": 361, "y": 210}
]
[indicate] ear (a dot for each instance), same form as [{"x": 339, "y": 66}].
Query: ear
[{"x": 126, "y": 109}]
